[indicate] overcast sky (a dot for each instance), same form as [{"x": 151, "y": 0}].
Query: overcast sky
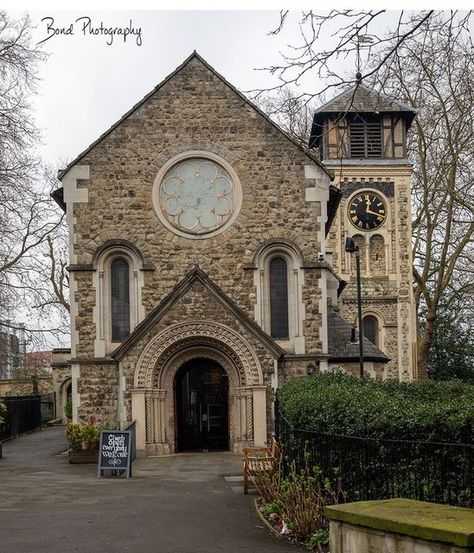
[{"x": 86, "y": 85}]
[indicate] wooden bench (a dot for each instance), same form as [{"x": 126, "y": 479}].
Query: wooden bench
[{"x": 257, "y": 461}]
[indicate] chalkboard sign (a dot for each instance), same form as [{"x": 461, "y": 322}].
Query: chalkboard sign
[{"x": 115, "y": 451}]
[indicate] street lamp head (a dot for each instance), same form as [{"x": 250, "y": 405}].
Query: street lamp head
[
  {"x": 311, "y": 369},
  {"x": 351, "y": 246}
]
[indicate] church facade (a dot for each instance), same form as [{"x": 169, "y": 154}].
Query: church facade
[{"x": 201, "y": 273}]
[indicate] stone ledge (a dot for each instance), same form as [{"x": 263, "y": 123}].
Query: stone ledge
[{"x": 419, "y": 519}]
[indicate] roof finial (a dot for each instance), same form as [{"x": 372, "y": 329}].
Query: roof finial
[{"x": 360, "y": 40}]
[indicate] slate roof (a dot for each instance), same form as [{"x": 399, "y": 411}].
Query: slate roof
[
  {"x": 358, "y": 99},
  {"x": 342, "y": 349},
  {"x": 362, "y": 99}
]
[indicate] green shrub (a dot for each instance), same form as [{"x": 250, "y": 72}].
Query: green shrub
[
  {"x": 85, "y": 436},
  {"x": 299, "y": 497},
  {"x": 74, "y": 436},
  {"x": 338, "y": 403}
]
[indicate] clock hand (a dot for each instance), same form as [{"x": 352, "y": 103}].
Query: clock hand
[{"x": 373, "y": 213}]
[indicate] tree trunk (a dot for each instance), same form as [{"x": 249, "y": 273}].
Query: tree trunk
[{"x": 425, "y": 341}]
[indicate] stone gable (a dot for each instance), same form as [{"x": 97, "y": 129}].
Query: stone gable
[{"x": 194, "y": 110}]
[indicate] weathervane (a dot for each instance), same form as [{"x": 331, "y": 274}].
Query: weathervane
[{"x": 361, "y": 40}]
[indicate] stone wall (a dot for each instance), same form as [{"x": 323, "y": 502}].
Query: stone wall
[
  {"x": 400, "y": 526},
  {"x": 98, "y": 389},
  {"x": 386, "y": 263},
  {"x": 347, "y": 538},
  {"x": 24, "y": 386},
  {"x": 194, "y": 110}
]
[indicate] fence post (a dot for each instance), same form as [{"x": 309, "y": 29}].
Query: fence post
[{"x": 277, "y": 418}]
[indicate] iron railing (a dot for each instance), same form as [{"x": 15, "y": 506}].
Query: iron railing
[
  {"x": 48, "y": 408},
  {"x": 373, "y": 468},
  {"x": 23, "y": 414}
]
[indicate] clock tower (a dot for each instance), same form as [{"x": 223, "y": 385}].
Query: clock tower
[{"x": 361, "y": 136}]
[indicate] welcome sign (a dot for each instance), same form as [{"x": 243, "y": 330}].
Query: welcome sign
[{"x": 115, "y": 452}]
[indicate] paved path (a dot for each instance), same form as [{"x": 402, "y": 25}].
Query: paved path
[{"x": 175, "y": 504}]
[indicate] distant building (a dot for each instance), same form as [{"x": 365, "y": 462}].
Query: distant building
[
  {"x": 12, "y": 349},
  {"x": 39, "y": 362}
]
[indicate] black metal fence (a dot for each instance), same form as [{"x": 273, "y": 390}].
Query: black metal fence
[
  {"x": 22, "y": 415},
  {"x": 384, "y": 468},
  {"x": 48, "y": 408}
]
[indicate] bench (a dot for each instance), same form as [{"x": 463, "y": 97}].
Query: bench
[{"x": 257, "y": 461}]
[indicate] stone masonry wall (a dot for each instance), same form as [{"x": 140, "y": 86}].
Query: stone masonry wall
[{"x": 194, "y": 111}]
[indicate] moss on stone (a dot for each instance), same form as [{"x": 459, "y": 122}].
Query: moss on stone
[{"x": 419, "y": 519}]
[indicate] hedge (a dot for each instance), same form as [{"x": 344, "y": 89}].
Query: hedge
[{"x": 337, "y": 403}]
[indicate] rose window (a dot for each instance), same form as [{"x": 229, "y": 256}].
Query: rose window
[{"x": 197, "y": 196}]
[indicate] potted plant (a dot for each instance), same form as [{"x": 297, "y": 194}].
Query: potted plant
[{"x": 83, "y": 440}]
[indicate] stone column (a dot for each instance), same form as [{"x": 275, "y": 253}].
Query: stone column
[
  {"x": 244, "y": 415},
  {"x": 156, "y": 443},
  {"x": 138, "y": 415},
  {"x": 259, "y": 415}
]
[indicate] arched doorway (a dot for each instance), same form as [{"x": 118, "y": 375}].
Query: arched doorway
[{"x": 202, "y": 406}]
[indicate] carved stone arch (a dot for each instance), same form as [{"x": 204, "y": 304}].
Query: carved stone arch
[
  {"x": 193, "y": 348},
  {"x": 153, "y": 397},
  {"x": 119, "y": 245},
  {"x": 275, "y": 244},
  {"x": 197, "y": 333},
  {"x": 175, "y": 361}
]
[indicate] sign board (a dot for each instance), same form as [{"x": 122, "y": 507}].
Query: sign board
[{"x": 115, "y": 451}]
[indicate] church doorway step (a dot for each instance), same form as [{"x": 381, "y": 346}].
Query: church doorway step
[{"x": 202, "y": 406}]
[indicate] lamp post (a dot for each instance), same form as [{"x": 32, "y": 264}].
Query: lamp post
[{"x": 351, "y": 247}]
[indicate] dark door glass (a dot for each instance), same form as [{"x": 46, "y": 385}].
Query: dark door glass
[{"x": 202, "y": 406}]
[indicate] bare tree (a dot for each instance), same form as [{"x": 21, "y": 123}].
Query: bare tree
[
  {"x": 427, "y": 61},
  {"x": 29, "y": 220},
  {"x": 434, "y": 72},
  {"x": 369, "y": 39}
]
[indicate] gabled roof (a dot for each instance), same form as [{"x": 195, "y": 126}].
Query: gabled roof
[
  {"x": 342, "y": 349},
  {"x": 195, "y": 55},
  {"x": 196, "y": 275}
]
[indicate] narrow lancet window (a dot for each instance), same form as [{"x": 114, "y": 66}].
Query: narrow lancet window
[
  {"x": 279, "y": 298},
  {"x": 120, "y": 301}
]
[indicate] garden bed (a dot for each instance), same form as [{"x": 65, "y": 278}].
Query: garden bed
[{"x": 276, "y": 525}]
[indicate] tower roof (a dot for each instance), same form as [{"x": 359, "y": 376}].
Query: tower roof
[
  {"x": 358, "y": 99},
  {"x": 362, "y": 99}
]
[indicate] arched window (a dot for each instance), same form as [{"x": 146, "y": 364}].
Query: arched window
[
  {"x": 118, "y": 281},
  {"x": 120, "y": 298},
  {"x": 279, "y": 308},
  {"x": 370, "y": 328},
  {"x": 279, "y": 327}
]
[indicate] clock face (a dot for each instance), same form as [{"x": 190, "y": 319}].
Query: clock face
[
  {"x": 197, "y": 196},
  {"x": 367, "y": 211}
]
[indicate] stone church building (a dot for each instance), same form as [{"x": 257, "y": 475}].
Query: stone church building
[{"x": 207, "y": 261}]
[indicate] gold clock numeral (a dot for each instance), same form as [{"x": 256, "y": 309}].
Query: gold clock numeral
[{"x": 354, "y": 218}]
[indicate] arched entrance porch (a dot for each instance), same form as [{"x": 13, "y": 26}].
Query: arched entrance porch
[{"x": 154, "y": 400}]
